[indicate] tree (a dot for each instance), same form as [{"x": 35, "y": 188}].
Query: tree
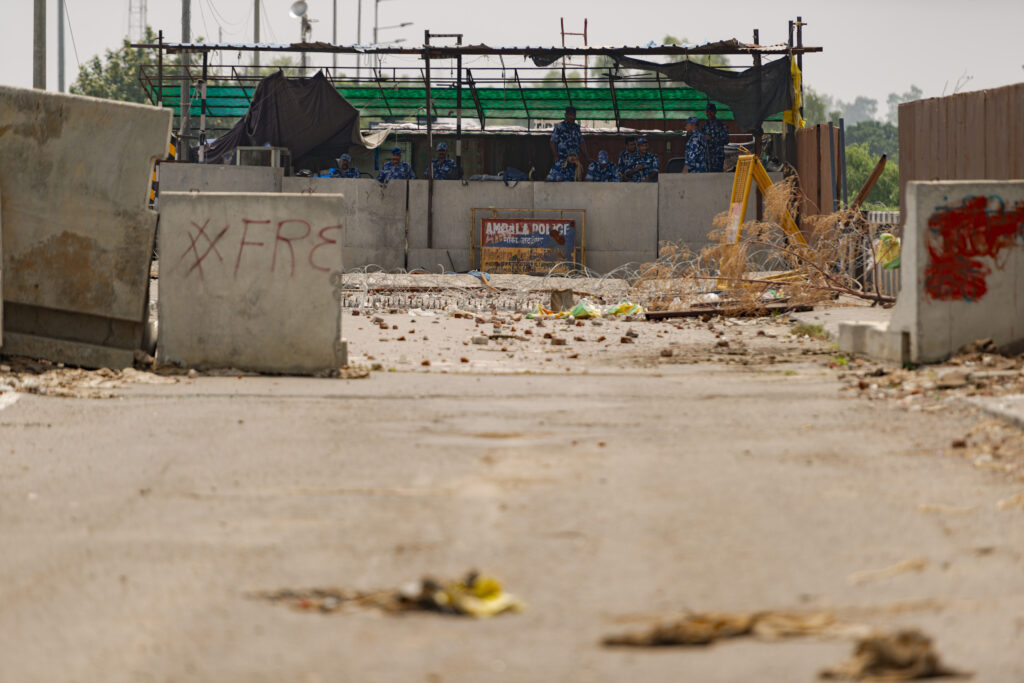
[
  {"x": 896, "y": 99},
  {"x": 116, "y": 76},
  {"x": 861, "y": 109},
  {"x": 880, "y": 138},
  {"x": 816, "y": 106},
  {"x": 859, "y": 164}
]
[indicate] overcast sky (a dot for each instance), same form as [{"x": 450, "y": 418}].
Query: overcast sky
[{"x": 871, "y": 47}]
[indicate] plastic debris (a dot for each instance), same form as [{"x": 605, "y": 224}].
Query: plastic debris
[
  {"x": 476, "y": 595},
  {"x": 625, "y": 307},
  {"x": 887, "y": 251},
  {"x": 904, "y": 655}
]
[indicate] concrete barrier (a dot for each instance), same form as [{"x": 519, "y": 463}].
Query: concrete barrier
[
  {"x": 75, "y": 175},
  {"x": 373, "y": 216},
  {"x": 246, "y": 281},
  {"x": 181, "y": 177},
  {"x": 963, "y": 274}
]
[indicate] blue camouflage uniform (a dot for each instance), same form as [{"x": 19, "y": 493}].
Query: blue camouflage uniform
[
  {"x": 696, "y": 155},
  {"x": 601, "y": 171},
  {"x": 349, "y": 172},
  {"x": 648, "y": 166},
  {"x": 444, "y": 169},
  {"x": 562, "y": 172},
  {"x": 568, "y": 134},
  {"x": 627, "y": 160},
  {"x": 392, "y": 171},
  {"x": 717, "y": 138}
]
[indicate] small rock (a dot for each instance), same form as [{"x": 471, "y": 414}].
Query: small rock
[
  {"x": 667, "y": 353},
  {"x": 527, "y": 331},
  {"x": 953, "y": 380},
  {"x": 384, "y": 326},
  {"x": 426, "y": 362},
  {"x": 540, "y": 323},
  {"x": 400, "y": 339},
  {"x": 760, "y": 333},
  {"x": 482, "y": 341},
  {"x": 959, "y": 443},
  {"x": 463, "y": 360},
  {"x": 548, "y": 335},
  {"x": 601, "y": 338},
  {"x": 631, "y": 333},
  {"x": 377, "y": 319},
  {"x": 723, "y": 343},
  {"x": 579, "y": 338},
  {"x": 192, "y": 373},
  {"x": 355, "y": 311},
  {"x": 574, "y": 355},
  {"x": 580, "y": 323},
  {"x": 627, "y": 340},
  {"x": 376, "y": 366},
  {"x": 596, "y": 322},
  {"x": 557, "y": 341}
]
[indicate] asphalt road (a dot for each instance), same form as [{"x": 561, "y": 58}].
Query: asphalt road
[{"x": 133, "y": 527}]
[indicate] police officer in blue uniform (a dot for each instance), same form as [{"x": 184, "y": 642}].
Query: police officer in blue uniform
[
  {"x": 396, "y": 169},
  {"x": 567, "y": 168},
  {"x": 627, "y": 159},
  {"x": 601, "y": 171},
  {"x": 343, "y": 170},
  {"x": 695, "y": 158},
  {"x": 567, "y": 133},
  {"x": 717, "y": 136},
  {"x": 444, "y": 167},
  {"x": 645, "y": 169}
]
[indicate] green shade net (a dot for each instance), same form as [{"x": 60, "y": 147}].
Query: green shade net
[{"x": 595, "y": 104}]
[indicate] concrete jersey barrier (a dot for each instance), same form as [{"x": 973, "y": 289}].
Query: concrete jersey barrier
[
  {"x": 77, "y": 231},
  {"x": 246, "y": 281},
  {"x": 963, "y": 274}
]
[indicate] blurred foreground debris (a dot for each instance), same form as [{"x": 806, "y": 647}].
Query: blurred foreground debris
[
  {"x": 475, "y": 595},
  {"x": 904, "y": 655}
]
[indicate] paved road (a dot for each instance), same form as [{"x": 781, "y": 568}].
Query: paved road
[{"x": 132, "y": 527}]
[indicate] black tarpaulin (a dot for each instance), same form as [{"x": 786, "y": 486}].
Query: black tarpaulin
[
  {"x": 738, "y": 89},
  {"x": 306, "y": 115}
]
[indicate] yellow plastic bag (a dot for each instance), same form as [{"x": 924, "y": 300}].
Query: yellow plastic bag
[{"x": 625, "y": 308}]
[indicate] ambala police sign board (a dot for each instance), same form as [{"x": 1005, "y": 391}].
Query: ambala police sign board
[{"x": 526, "y": 245}]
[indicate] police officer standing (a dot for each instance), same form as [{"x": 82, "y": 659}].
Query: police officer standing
[
  {"x": 717, "y": 136},
  {"x": 444, "y": 167},
  {"x": 695, "y": 158},
  {"x": 601, "y": 171},
  {"x": 396, "y": 169},
  {"x": 645, "y": 169},
  {"x": 568, "y": 133}
]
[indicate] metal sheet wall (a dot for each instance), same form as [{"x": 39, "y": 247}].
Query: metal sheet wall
[{"x": 968, "y": 136}]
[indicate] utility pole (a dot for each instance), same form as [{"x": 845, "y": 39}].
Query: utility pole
[
  {"x": 359, "y": 35},
  {"x": 256, "y": 31},
  {"x": 39, "y": 46},
  {"x": 60, "y": 45},
  {"x": 376, "y": 6},
  {"x": 334, "y": 35},
  {"x": 184, "y": 103}
]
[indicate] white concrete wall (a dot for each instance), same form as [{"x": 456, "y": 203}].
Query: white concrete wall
[
  {"x": 182, "y": 177},
  {"x": 245, "y": 281},
  {"x": 373, "y": 216}
]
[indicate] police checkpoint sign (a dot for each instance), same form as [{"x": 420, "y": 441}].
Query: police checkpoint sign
[{"x": 526, "y": 245}]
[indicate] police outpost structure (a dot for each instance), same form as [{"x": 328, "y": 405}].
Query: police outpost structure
[{"x": 495, "y": 117}]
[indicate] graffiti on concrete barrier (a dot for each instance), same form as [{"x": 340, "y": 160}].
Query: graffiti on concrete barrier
[
  {"x": 964, "y": 244},
  {"x": 291, "y": 241}
]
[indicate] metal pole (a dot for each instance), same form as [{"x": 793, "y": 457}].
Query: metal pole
[
  {"x": 160, "y": 69},
  {"x": 800, "y": 59},
  {"x": 184, "y": 105},
  {"x": 39, "y": 46},
  {"x": 256, "y": 32},
  {"x": 202, "y": 114},
  {"x": 759, "y": 131},
  {"x": 430, "y": 143},
  {"x": 334, "y": 35},
  {"x": 376, "y": 5},
  {"x": 359, "y": 35},
  {"x": 60, "y": 45},
  {"x": 458, "y": 113},
  {"x": 842, "y": 158}
]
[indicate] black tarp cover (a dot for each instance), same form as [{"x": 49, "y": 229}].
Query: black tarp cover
[
  {"x": 306, "y": 115},
  {"x": 738, "y": 89}
]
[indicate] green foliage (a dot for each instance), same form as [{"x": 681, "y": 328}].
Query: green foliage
[
  {"x": 895, "y": 99},
  {"x": 880, "y": 138},
  {"x": 816, "y": 106},
  {"x": 859, "y": 164},
  {"x": 116, "y": 76},
  {"x": 277, "y": 64}
]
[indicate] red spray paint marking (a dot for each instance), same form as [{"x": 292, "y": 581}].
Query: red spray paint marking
[{"x": 958, "y": 238}]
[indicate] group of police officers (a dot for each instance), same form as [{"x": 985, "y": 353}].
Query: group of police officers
[{"x": 704, "y": 152}]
